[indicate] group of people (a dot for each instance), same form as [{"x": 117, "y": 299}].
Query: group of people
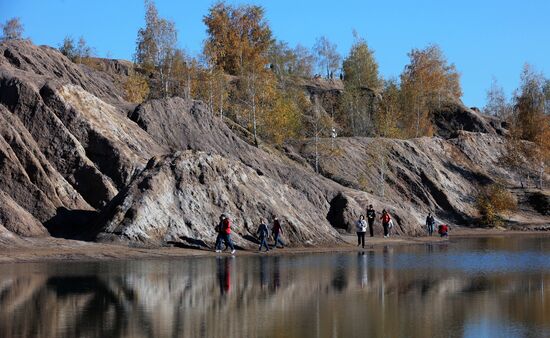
[
  {"x": 223, "y": 230},
  {"x": 442, "y": 229},
  {"x": 276, "y": 231},
  {"x": 387, "y": 224},
  {"x": 361, "y": 225}
]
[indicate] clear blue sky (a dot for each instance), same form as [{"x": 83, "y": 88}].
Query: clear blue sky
[{"x": 484, "y": 38}]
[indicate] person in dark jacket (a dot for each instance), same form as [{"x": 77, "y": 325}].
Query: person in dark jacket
[
  {"x": 386, "y": 223},
  {"x": 219, "y": 237},
  {"x": 277, "y": 232},
  {"x": 371, "y": 216},
  {"x": 263, "y": 233},
  {"x": 226, "y": 234},
  {"x": 430, "y": 222}
]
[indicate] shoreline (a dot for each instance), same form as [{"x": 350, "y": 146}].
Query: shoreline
[{"x": 63, "y": 250}]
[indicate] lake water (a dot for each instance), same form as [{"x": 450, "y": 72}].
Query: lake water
[{"x": 486, "y": 287}]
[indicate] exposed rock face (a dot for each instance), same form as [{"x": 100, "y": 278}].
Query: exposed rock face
[
  {"x": 73, "y": 154},
  {"x": 15, "y": 219},
  {"x": 65, "y": 138},
  {"x": 180, "y": 197},
  {"x": 27, "y": 176},
  {"x": 44, "y": 62},
  {"x": 421, "y": 174},
  {"x": 453, "y": 117},
  {"x": 181, "y": 124}
]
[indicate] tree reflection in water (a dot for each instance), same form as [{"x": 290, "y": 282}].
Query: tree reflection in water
[{"x": 413, "y": 291}]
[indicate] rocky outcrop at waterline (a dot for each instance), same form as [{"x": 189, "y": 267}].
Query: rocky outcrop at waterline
[
  {"x": 424, "y": 174},
  {"x": 178, "y": 198}
]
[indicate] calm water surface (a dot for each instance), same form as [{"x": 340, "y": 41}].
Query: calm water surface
[{"x": 487, "y": 287}]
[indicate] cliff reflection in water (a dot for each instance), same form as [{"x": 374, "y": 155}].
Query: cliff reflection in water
[{"x": 417, "y": 291}]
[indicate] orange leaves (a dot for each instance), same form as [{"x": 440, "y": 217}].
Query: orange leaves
[
  {"x": 426, "y": 81},
  {"x": 238, "y": 37}
]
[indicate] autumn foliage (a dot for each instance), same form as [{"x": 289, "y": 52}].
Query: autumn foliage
[{"x": 492, "y": 202}]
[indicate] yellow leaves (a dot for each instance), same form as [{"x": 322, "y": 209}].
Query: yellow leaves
[
  {"x": 492, "y": 201},
  {"x": 282, "y": 121},
  {"x": 136, "y": 88},
  {"x": 238, "y": 37},
  {"x": 426, "y": 81}
]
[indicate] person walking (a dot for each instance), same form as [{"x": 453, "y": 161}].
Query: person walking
[
  {"x": 263, "y": 233},
  {"x": 386, "y": 223},
  {"x": 371, "y": 215},
  {"x": 277, "y": 232},
  {"x": 361, "y": 227},
  {"x": 430, "y": 222},
  {"x": 226, "y": 234},
  {"x": 219, "y": 230}
]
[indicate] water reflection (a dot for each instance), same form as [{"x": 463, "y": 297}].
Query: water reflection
[{"x": 413, "y": 291}]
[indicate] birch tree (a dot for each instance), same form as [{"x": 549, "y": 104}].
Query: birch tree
[
  {"x": 12, "y": 29},
  {"x": 156, "y": 47},
  {"x": 425, "y": 81},
  {"x": 327, "y": 55}
]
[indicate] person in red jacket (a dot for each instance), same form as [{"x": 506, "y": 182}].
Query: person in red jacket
[
  {"x": 226, "y": 233},
  {"x": 443, "y": 230},
  {"x": 386, "y": 222}
]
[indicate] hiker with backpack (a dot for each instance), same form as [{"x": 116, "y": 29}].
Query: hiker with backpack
[
  {"x": 225, "y": 230},
  {"x": 263, "y": 233},
  {"x": 386, "y": 220},
  {"x": 219, "y": 232},
  {"x": 430, "y": 223},
  {"x": 277, "y": 231},
  {"x": 371, "y": 215},
  {"x": 361, "y": 227}
]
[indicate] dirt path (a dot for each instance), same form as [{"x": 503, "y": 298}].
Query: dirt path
[{"x": 54, "y": 249}]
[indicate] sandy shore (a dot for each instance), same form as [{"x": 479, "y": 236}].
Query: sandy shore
[{"x": 55, "y": 249}]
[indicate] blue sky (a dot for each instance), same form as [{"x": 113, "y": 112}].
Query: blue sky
[{"x": 483, "y": 38}]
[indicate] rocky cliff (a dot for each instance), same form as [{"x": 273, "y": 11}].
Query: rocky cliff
[{"x": 78, "y": 161}]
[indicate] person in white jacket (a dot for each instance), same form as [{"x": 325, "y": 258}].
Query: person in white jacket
[{"x": 361, "y": 227}]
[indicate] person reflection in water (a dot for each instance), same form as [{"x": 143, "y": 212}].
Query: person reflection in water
[
  {"x": 362, "y": 272},
  {"x": 224, "y": 274},
  {"x": 276, "y": 273},
  {"x": 340, "y": 280},
  {"x": 263, "y": 272}
]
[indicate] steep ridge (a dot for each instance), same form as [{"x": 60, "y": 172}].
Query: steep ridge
[
  {"x": 425, "y": 174},
  {"x": 179, "y": 198},
  {"x": 27, "y": 176},
  {"x": 66, "y": 148},
  {"x": 75, "y": 119},
  {"x": 77, "y": 159},
  {"x": 180, "y": 124}
]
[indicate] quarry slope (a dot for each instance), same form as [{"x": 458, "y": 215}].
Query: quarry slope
[{"x": 77, "y": 161}]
